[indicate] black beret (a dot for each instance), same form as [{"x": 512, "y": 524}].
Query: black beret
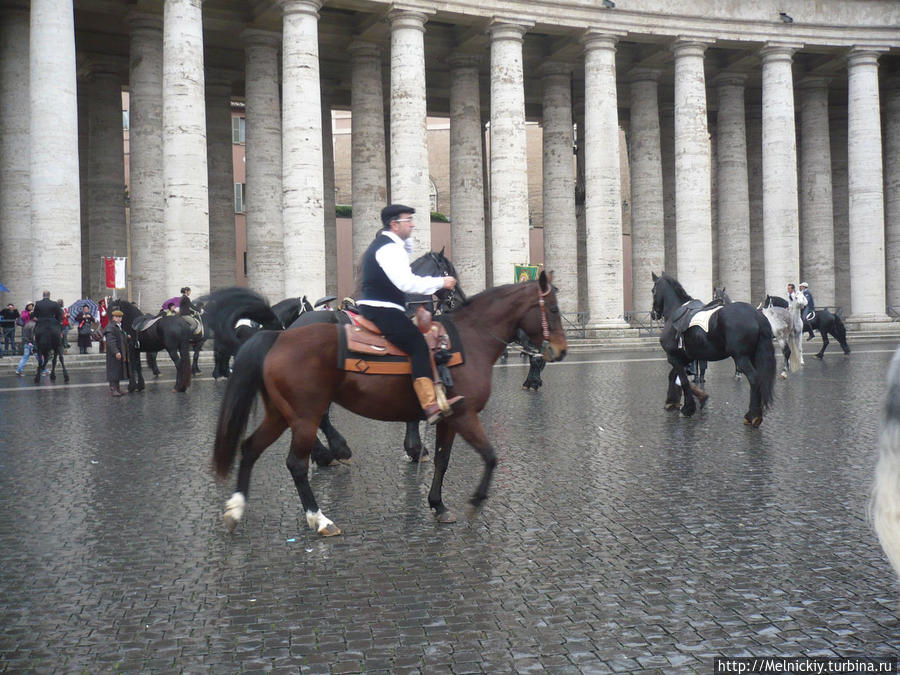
[{"x": 388, "y": 213}]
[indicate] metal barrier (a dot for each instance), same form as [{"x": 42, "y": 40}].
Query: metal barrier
[
  {"x": 645, "y": 325},
  {"x": 893, "y": 312},
  {"x": 575, "y": 323}
]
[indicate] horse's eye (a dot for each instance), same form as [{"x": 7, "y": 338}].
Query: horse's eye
[{"x": 554, "y": 310}]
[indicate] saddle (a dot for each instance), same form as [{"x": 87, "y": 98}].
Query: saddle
[
  {"x": 194, "y": 322},
  {"x": 363, "y": 349},
  {"x": 693, "y": 313},
  {"x": 144, "y": 322}
]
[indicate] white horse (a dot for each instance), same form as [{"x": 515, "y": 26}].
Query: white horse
[
  {"x": 884, "y": 506},
  {"x": 786, "y": 333}
]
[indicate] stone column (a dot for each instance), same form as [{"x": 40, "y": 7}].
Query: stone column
[
  {"x": 667, "y": 157},
  {"x": 184, "y": 149},
  {"x": 367, "y": 155},
  {"x": 733, "y": 195},
  {"x": 83, "y": 97},
  {"x": 865, "y": 185},
  {"x": 302, "y": 183},
  {"x": 816, "y": 214},
  {"x": 15, "y": 183},
  {"x": 781, "y": 220},
  {"x": 603, "y": 200},
  {"x": 146, "y": 202},
  {"x": 693, "y": 226},
  {"x": 55, "y": 253},
  {"x": 648, "y": 247},
  {"x": 328, "y": 202},
  {"x": 466, "y": 173},
  {"x": 560, "y": 223},
  {"x": 220, "y": 160},
  {"x": 754, "y": 184},
  {"x": 262, "y": 195},
  {"x": 409, "y": 141},
  {"x": 106, "y": 171},
  {"x": 891, "y": 190},
  {"x": 840, "y": 207},
  {"x": 509, "y": 177},
  {"x": 581, "y": 224}
]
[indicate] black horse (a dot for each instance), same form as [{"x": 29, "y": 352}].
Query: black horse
[
  {"x": 256, "y": 316},
  {"x": 826, "y": 322},
  {"x": 48, "y": 338},
  {"x": 736, "y": 330},
  {"x": 150, "y": 334}
]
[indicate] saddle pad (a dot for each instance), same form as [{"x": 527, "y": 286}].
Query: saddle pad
[
  {"x": 195, "y": 324},
  {"x": 144, "y": 322},
  {"x": 702, "y": 317},
  {"x": 360, "y": 351}
]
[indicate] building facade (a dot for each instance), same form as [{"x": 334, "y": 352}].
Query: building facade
[{"x": 762, "y": 143}]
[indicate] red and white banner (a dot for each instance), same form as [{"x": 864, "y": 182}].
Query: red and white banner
[{"x": 115, "y": 272}]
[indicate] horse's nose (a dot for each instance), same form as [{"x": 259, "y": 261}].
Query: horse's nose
[{"x": 562, "y": 355}]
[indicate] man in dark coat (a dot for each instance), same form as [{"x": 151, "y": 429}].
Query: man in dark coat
[
  {"x": 45, "y": 308},
  {"x": 809, "y": 312},
  {"x": 116, "y": 353}
]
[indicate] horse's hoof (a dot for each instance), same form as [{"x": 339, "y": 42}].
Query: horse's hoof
[
  {"x": 66, "y": 380},
  {"x": 819, "y": 356},
  {"x": 330, "y": 530},
  {"x": 342, "y": 460},
  {"x": 756, "y": 422},
  {"x": 230, "y": 521},
  {"x": 703, "y": 402},
  {"x": 445, "y": 517},
  {"x": 670, "y": 406},
  {"x": 783, "y": 375},
  {"x": 747, "y": 421}
]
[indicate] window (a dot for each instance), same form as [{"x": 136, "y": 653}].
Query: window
[
  {"x": 126, "y": 122},
  {"x": 432, "y": 195},
  {"x": 238, "y": 130},
  {"x": 239, "y": 198}
]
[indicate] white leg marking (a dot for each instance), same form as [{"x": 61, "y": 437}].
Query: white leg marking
[
  {"x": 317, "y": 520},
  {"x": 234, "y": 510}
]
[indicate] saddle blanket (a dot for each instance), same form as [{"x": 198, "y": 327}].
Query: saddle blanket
[
  {"x": 702, "y": 318},
  {"x": 360, "y": 350}
]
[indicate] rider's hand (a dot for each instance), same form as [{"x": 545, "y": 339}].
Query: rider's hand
[
  {"x": 118, "y": 357},
  {"x": 449, "y": 282}
]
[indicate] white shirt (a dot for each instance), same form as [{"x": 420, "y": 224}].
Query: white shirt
[{"x": 394, "y": 260}]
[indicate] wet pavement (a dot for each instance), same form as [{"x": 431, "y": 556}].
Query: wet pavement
[{"x": 617, "y": 537}]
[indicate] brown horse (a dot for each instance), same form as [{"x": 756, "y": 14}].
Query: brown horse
[{"x": 296, "y": 373}]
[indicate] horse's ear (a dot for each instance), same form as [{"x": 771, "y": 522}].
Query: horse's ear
[
  {"x": 655, "y": 278},
  {"x": 544, "y": 281},
  {"x": 442, "y": 251}
]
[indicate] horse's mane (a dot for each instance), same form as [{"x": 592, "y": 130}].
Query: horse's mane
[
  {"x": 289, "y": 309},
  {"x": 493, "y": 293},
  {"x": 676, "y": 287}
]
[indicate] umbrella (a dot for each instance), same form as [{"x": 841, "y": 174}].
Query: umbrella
[
  {"x": 176, "y": 301},
  {"x": 3, "y": 288},
  {"x": 75, "y": 307}
]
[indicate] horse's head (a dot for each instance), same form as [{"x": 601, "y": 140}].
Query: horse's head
[
  {"x": 129, "y": 311},
  {"x": 720, "y": 295},
  {"x": 543, "y": 322},
  {"x": 436, "y": 264},
  {"x": 668, "y": 294}
]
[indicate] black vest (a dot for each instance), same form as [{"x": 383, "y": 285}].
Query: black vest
[{"x": 375, "y": 283}]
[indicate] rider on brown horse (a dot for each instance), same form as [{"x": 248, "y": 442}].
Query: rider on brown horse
[{"x": 386, "y": 277}]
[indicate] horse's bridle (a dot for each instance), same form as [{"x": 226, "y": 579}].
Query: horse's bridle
[{"x": 545, "y": 325}]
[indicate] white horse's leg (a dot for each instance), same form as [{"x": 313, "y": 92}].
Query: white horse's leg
[{"x": 234, "y": 510}]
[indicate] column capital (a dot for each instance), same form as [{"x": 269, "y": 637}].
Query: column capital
[
  {"x": 779, "y": 51},
  {"x": 300, "y": 6},
  {"x": 813, "y": 82},
  {"x": 595, "y": 38},
  {"x": 861, "y": 56},
  {"x": 460, "y": 60},
  {"x": 363, "y": 49},
  {"x": 550, "y": 68},
  {"x": 144, "y": 21},
  {"x": 402, "y": 15},
  {"x": 687, "y": 45},
  {"x": 258, "y": 37},
  {"x": 730, "y": 79},
  {"x": 644, "y": 74},
  {"x": 503, "y": 28}
]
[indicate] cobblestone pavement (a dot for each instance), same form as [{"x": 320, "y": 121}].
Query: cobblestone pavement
[{"x": 617, "y": 537}]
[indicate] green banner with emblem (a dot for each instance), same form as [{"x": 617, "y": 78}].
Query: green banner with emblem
[{"x": 527, "y": 272}]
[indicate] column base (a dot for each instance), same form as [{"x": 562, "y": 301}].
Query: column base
[{"x": 872, "y": 321}]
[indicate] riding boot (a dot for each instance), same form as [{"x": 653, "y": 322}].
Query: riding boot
[{"x": 424, "y": 389}]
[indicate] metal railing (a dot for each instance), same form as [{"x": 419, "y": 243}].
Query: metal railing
[
  {"x": 575, "y": 323},
  {"x": 893, "y": 312},
  {"x": 645, "y": 325}
]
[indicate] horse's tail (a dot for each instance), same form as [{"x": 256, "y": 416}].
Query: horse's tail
[
  {"x": 840, "y": 330},
  {"x": 794, "y": 343},
  {"x": 245, "y": 382},
  {"x": 184, "y": 356},
  {"x": 884, "y": 505},
  {"x": 764, "y": 362}
]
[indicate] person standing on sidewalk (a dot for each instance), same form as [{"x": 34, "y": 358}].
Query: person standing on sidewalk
[
  {"x": 27, "y": 347},
  {"x": 8, "y": 316},
  {"x": 116, "y": 353}
]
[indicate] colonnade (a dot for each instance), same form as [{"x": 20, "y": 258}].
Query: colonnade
[{"x": 782, "y": 209}]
